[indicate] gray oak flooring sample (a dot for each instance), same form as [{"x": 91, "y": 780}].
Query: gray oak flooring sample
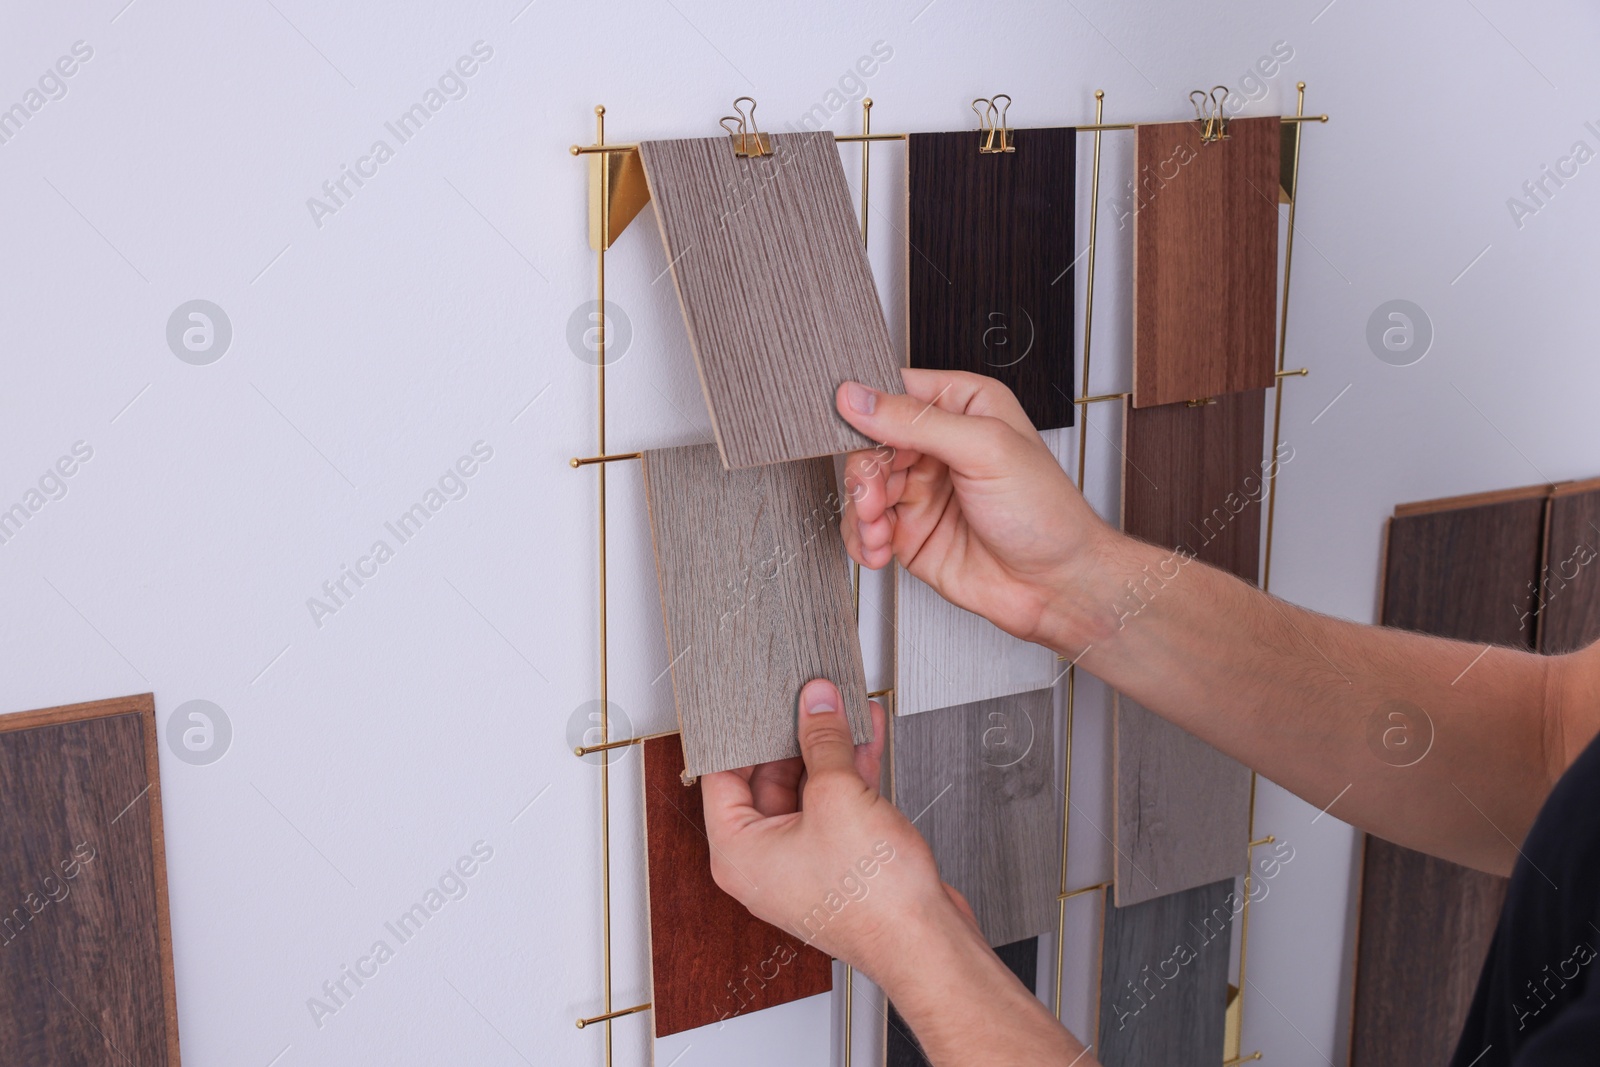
[
  {"x": 1205, "y": 261},
  {"x": 1192, "y": 478},
  {"x": 901, "y": 1046},
  {"x": 776, "y": 290},
  {"x": 756, "y": 599},
  {"x": 1569, "y": 606},
  {"x": 945, "y": 655},
  {"x": 1164, "y": 980},
  {"x": 85, "y": 946},
  {"x": 977, "y": 781}
]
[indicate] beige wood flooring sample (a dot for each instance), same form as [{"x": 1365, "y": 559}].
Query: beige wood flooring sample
[
  {"x": 978, "y": 782},
  {"x": 776, "y": 290},
  {"x": 945, "y": 655},
  {"x": 756, "y": 598}
]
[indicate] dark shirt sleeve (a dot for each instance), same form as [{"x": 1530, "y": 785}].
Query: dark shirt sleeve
[{"x": 1571, "y": 1038}]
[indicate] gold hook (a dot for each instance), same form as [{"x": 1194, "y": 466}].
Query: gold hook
[{"x": 749, "y": 142}]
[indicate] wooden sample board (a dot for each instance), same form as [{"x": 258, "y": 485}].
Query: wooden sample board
[
  {"x": 1192, "y": 479},
  {"x": 1205, "y": 264},
  {"x": 977, "y": 781},
  {"x": 85, "y": 941},
  {"x": 1465, "y": 569},
  {"x": 710, "y": 959},
  {"x": 1569, "y": 602},
  {"x": 946, "y": 656},
  {"x": 989, "y": 272},
  {"x": 756, "y": 599},
  {"x": 777, "y": 293},
  {"x": 1164, "y": 979},
  {"x": 902, "y": 1049}
]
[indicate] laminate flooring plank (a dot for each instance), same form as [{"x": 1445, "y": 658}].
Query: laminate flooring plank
[
  {"x": 989, "y": 272},
  {"x": 85, "y": 944},
  {"x": 710, "y": 959},
  {"x": 977, "y": 781},
  {"x": 755, "y": 594},
  {"x": 1569, "y": 612},
  {"x": 946, "y": 656},
  {"x": 1022, "y": 957},
  {"x": 1164, "y": 979},
  {"x": 1205, "y": 265},
  {"x": 776, "y": 290},
  {"x": 1425, "y": 924},
  {"x": 1192, "y": 481}
]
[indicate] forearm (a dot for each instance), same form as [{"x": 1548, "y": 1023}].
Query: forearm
[
  {"x": 962, "y": 1003},
  {"x": 1438, "y": 745}
]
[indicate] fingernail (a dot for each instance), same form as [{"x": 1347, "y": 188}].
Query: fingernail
[
  {"x": 816, "y": 700},
  {"x": 863, "y": 400}
]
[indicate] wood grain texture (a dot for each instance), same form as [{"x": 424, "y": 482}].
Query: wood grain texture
[
  {"x": 1425, "y": 924},
  {"x": 989, "y": 274},
  {"x": 903, "y": 1050},
  {"x": 946, "y": 656},
  {"x": 1164, "y": 979},
  {"x": 85, "y": 942},
  {"x": 1569, "y": 610},
  {"x": 776, "y": 290},
  {"x": 756, "y": 599},
  {"x": 1192, "y": 480},
  {"x": 1205, "y": 265},
  {"x": 1183, "y": 808},
  {"x": 710, "y": 959},
  {"x": 977, "y": 782}
]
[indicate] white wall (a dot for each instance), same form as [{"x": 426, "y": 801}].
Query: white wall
[{"x": 430, "y": 313}]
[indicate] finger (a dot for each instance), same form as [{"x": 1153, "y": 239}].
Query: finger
[
  {"x": 825, "y": 741},
  {"x": 729, "y": 804},
  {"x": 969, "y": 394},
  {"x": 775, "y": 787},
  {"x": 966, "y": 441},
  {"x": 869, "y": 757}
]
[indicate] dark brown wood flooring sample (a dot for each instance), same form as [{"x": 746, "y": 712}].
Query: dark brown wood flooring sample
[
  {"x": 776, "y": 291},
  {"x": 1205, "y": 265},
  {"x": 1022, "y": 957},
  {"x": 989, "y": 269},
  {"x": 755, "y": 593},
  {"x": 1192, "y": 479},
  {"x": 1164, "y": 979},
  {"x": 1464, "y": 568},
  {"x": 85, "y": 945},
  {"x": 1569, "y": 611},
  {"x": 977, "y": 780},
  {"x": 710, "y": 959}
]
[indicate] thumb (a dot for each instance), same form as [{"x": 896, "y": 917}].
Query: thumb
[
  {"x": 825, "y": 741},
  {"x": 903, "y": 421}
]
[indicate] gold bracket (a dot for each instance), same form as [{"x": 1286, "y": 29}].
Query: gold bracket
[
  {"x": 748, "y": 140},
  {"x": 1201, "y": 402},
  {"x": 994, "y": 136},
  {"x": 617, "y": 189},
  {"x": 1209, "y": 114},
  {"x": 1288, "y": 152}
]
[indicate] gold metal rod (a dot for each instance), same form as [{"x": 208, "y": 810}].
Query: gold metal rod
[
  {"x": 1100, "y": 965},
  {"x": 584, "y": 750},
  {"x": 1283, "y": 340},
  {"x": 1301, "y": 373},
  {"x": 1302, "y": 118},
  {"x": 585, "y": 461},
  {"x": 605, "y": 696},
  {"x": 1103, "y": 397},
  {"x": 857, "y": 138},
  {"x": 1069, "y": 894},
  {"x": 1241, "y": 1059},
  {"x": 608, "y": 1016},
  {"x": 1083, "y": 444},
  {"x": 880, "y": 692},
  {"x": 1102, "y": 127},
  {"x": 866, "y": 159},
  {"x": 1269, "y": 839}
]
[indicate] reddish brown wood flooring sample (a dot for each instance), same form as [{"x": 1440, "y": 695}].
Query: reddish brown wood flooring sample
[
  {"x": 85, "y": 946},
  {"x": 1569, "y": 611},
  {"x": 776, "y": 291},
  {"x": 1463, "y": 569},
  {"x": 1022, "y": 957},
  {"x": 710, "y": 959},
  {"x": 989, "y": 271},
  {"x": 1192, "y": 481},
  {"x": 1205, "y": 264}
]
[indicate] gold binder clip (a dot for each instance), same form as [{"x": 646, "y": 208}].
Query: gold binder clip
[
  {"x": 994, "y": 136},
  {"x": 1209, "y": 114},
  {"x": 748, "y": 141}
]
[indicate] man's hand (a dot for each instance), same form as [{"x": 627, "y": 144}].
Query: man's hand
[{"x": 968, "y": 498}]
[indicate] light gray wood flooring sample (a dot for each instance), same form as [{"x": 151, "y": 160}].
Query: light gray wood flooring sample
[
  {"x": 755, "y": 594},
  {"x": 978, "y": 782},
  {"x": 1164, "y": 980},
  {"x": 945, "y": 656},
  {"x": 1183, "y": 808},
  {"x": 776, "y": 290}
]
